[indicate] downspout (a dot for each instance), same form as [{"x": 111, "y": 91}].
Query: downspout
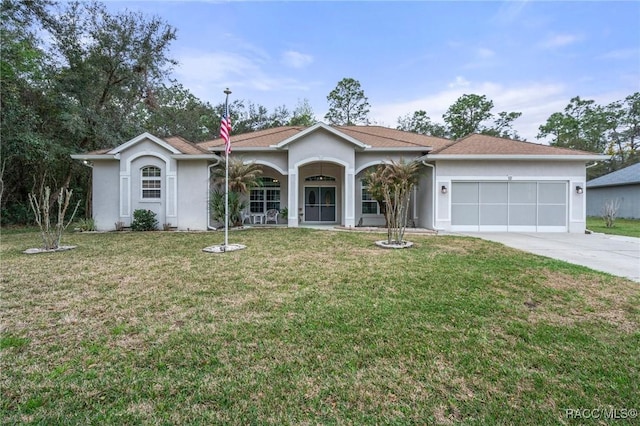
[{"x": 433, "y": 193}]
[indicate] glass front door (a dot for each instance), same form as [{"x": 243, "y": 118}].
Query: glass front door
[{"x": 319, "y": 204}]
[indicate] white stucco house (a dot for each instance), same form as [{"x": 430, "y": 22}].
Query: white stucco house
[
  {"x": 621, "y": 186},
  {"x": 478, "y": 183}
]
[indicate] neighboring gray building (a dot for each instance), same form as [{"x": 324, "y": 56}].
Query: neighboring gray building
[
  {"x": 622, "y": 185},
  {"x": 478, "y": 183}
]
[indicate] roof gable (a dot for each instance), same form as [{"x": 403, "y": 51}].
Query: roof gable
[
  {"x": 142, "y": 137},
  {"x": 628, "y": 176},
  {"x": 318, "y": 127}
]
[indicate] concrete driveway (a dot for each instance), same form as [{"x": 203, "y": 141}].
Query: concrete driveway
[{"x": 613, "y": 254}]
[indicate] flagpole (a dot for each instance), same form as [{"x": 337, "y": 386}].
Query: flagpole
[{"x": 226, "y": 176}]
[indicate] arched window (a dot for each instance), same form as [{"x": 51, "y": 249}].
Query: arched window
[
  {"x": 266, "y": 196},
  {"x": 151, "y": 182}
]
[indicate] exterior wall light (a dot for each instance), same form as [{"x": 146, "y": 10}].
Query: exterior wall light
[
  {"x": 579, "y": 189},
  {"x": 443, "y": 189}
]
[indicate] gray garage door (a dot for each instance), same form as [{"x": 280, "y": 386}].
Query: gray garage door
[{"x": 509, "y": 206}]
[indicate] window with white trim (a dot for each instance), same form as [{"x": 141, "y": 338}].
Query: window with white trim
[
  {"x": 369, "y": 204},
  {"x": 265, "y": 197},
  {"x": 151, "y": 183}
]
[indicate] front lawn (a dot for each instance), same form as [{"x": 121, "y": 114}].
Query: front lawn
[
  {"x": 628, "y": 227},
  {"x": 309, "y": 327}
]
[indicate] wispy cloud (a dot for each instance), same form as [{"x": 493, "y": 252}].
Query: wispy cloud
[
  {"x": 629, "y": 53},
  {"x": 485, "y": 53},
  {"x": 459, "y": 82},
  {"x": 205, "y": 73},
  {"x": 560, "y": 40},
  {"x": 510, "y": 11},
  {"x": 294, "y": 59},
  {"x": 536, "y": 101}
]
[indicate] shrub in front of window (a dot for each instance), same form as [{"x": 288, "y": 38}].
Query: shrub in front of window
[
  {"x": 144, "y": 220},
  {"x": 236, "y": 206}
]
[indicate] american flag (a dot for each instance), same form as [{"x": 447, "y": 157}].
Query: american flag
[{"x": 225, "y": 130}]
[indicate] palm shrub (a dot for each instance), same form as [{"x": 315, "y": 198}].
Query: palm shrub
[
  {"x": 236, "y": 205},
  {"x": 391, "y": 184},
  {"x": 242, "y": 177}
]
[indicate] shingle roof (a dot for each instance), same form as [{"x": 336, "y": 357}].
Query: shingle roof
[
  {"x": 179, "y": 143},
  {"x": 477, "y": 144},
  {"x": 184, "y": 146},
  {"x": 385, "y": 137},
  {"x": 375, "y": 136},
  {"x": 627, "y": 176},
  {"x": 260, "y": 139}
]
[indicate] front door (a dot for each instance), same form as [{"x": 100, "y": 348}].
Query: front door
[{"x": 320, "y": 204}]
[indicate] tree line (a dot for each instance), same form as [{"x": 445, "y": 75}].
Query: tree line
[{"x": 77, "y": 77}]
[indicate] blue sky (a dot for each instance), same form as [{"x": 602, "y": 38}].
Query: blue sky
[{"x": 527, "y": 56}]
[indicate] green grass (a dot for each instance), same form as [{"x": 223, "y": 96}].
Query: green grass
[
  {"x": 308, "y": 327},
  {"x": 627, "y": 227}
]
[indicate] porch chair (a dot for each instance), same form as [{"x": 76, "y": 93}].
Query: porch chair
[
  {"x": 271, "y": 214},
  {"x": 245, "y": 215}
]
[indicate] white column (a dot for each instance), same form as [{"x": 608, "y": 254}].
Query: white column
[
  {"x": 349, "y": 198},
  {"x": 292, "y": 220}
]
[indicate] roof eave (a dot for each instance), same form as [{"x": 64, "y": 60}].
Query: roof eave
[
  {"x": 399, "y": 149},
  {"x": 525, "y": 157},
  {"x": 94, "y": 157},
  {"x": 195, "y": 157},
  {"x": 242, "y": 148},
  {"x": 612, "y": 184}
]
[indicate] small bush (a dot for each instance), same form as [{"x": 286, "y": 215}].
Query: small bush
[
  {"x": 144, "y": 220},
  {"x": 85, "y": 225}
]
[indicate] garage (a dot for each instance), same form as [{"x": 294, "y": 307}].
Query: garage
[{"x": 516, "y": 206}]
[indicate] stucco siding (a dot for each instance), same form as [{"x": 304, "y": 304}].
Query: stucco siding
[
  {"x": 193, "y": 187},
  {"x": 424, "y": 199},
  {"x": 367, "y": 159},
  {"x": 321, "y": 146},
  {"x": 628, "y": 195},
  {"x": 105, "y": 189}
]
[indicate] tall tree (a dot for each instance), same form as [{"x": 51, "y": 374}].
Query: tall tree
[
  {"x": 419, "y": 122},
  {"x": 472, "y": 114},
  {"x": 176, "y": 111},
  {"x": 466, "y": 115},
  {"x": 79, "y": 94},
  {"x": 303, "y": 115},
  {"x": 27, "y": 149},
  {"x": 613, "y": 129},
  {"x": 109, "y": 64},
  {"x": 348, "y": 104},
  {"x": 503, "y": 126},
  {"x": 623, "y": 139},
  {"x": 583, "y": 125}
]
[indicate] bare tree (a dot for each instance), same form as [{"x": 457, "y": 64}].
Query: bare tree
[
  {"x": 41, "y": 204},
  {"x": 610, "y": 211}
]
